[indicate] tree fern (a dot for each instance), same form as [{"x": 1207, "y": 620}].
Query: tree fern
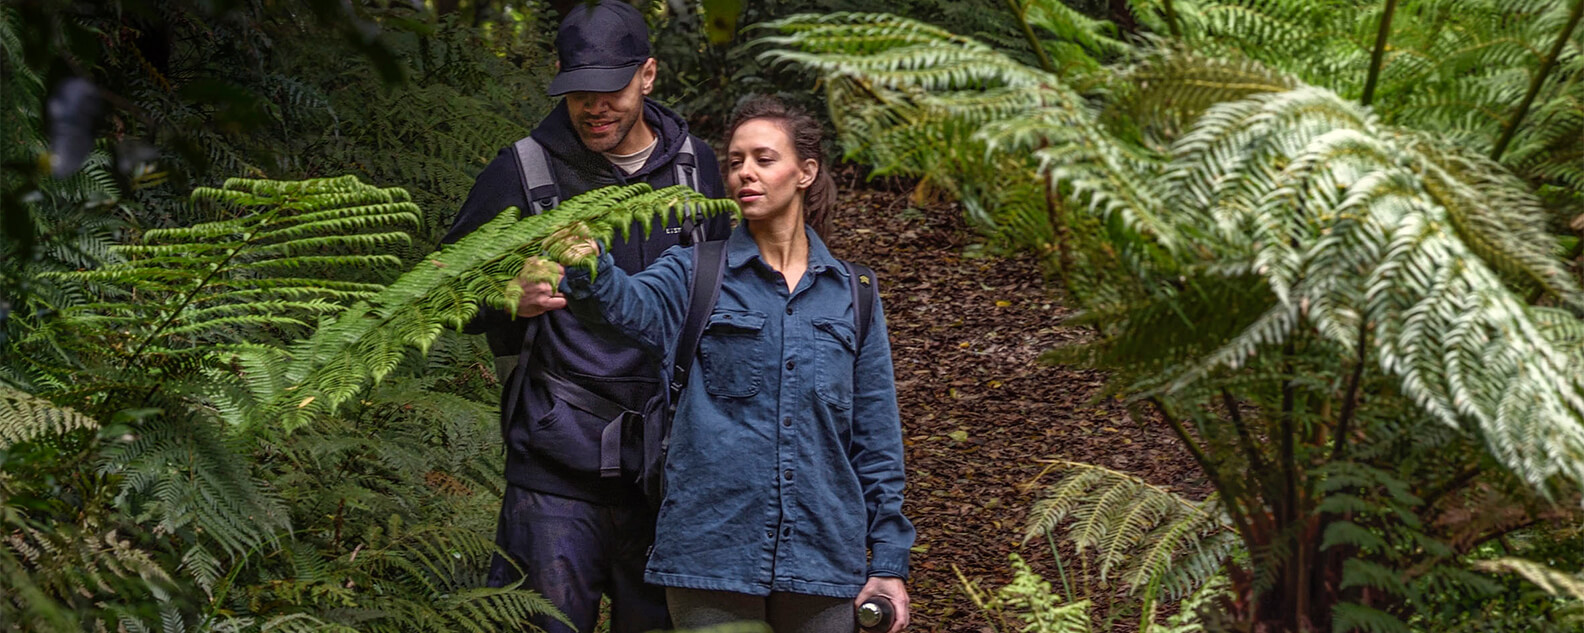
[
  {"x": 910, "y": 98},
  {"x": 1459, "y": 67},
  {"x": 1324, "y": 307}
]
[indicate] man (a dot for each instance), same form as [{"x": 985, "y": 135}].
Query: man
[{"x": 575, "y": 525}]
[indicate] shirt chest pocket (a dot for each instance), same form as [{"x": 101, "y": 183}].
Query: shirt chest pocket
[
  {"x": 836, "y": 347},
  {"x": 732, "y": 349}
]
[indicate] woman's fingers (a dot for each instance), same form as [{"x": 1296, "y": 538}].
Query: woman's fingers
[
  {"x": 572, "y": 244},
  {"x": 900, "y": 602},
  {"x": 894, "y": 590}
]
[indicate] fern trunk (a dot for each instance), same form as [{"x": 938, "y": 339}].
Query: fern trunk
[
  {"x": 1021, "y": 13},
  {"x": 1546, "y": 65},
  {"x": 1060, "y": 233},
  {"x": 1380, "y": 52},
  {"x": 1171, "y": 18}
]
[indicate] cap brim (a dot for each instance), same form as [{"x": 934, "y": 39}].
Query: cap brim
[{"x": 592, "y": 80}]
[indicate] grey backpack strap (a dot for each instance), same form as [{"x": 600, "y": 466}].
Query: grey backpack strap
[
  {"x": 539, "y": 188},
  {"x": 687, "y": 173},
  {"x": 538, "y": 182},
  {"x": 686, "y": 164}
]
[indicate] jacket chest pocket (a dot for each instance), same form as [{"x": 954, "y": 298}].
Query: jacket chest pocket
[
  {"x": 836, "y": 347},
  {"x": 732, "y": 349}
]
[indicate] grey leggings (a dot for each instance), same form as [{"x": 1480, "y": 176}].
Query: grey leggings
[{"x": 785, "y": 612}]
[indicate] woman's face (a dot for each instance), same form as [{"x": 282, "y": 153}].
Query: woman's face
[{"x": 763, "y": 172}]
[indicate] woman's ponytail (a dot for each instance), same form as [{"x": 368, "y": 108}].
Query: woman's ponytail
[{"x": 819, "y": 202}]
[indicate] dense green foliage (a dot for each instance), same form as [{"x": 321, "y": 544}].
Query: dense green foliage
[
  {"x": 1315, "y": 242},
  {"x": 143, "y": 483},
  {"x": 1325, "y": 301},
  {"x": 194, "y": 456}
]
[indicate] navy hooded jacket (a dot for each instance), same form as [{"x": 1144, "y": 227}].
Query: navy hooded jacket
[{"x": 551, "y": 446}]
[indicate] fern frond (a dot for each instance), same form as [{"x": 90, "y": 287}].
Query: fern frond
[
  {"x": 1552, "y": 581},
  {"x": 1135, "y": 530},
  {"x": 1349, "y": 616},
  {"x": 366, "y": 342},
  {"x": 200, "y": 283},
  {"x": 1030, "y": 600},
  {"x": 191, "y": 478},
  {"x": 25, "y": 418}
]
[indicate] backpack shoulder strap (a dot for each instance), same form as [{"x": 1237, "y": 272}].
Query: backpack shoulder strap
[
  {"x": 862, "y": 280},
  {"x": 686, "y": 164},
  {"x": 687, "y": 173},
  {"x": 538, "y": 182},
  {"x": 709, "y": 264}
]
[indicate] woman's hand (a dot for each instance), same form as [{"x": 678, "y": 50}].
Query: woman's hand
[{"x": 892, "y": 589}]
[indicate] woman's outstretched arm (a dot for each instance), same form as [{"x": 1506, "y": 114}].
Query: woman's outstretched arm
[{"x": 648, "y": 306}]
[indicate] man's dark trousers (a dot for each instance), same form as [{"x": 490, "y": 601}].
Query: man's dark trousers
[{"x": 557, "y": 533}]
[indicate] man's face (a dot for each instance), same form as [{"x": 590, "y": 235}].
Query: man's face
[{"x": 603, "y": 120}]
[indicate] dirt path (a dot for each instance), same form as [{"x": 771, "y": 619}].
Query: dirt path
[{"x": 978, "y": 409}]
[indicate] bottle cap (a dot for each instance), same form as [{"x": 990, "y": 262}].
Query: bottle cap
[{"x": 869, "y": 615}]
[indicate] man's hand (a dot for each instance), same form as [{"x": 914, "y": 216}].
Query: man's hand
[
  {"x": 538, "y": 295},
  {"x": 892, "y": 589}
]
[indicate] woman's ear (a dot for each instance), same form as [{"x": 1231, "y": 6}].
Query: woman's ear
[{"x": 808, "y": 171}]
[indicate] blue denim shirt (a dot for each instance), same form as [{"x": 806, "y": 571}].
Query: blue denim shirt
[{"x": 786, "y": 450}]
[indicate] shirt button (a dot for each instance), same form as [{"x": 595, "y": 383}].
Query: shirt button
[
  {"x": 786, "y": 532},
  {"x": 786, "y": 421},
  {"x": 770, "y": 534},
  {"x": 790, "y": 365},
  {"x": 789, "y": 310},
  {"x": 787, "y": 474}
]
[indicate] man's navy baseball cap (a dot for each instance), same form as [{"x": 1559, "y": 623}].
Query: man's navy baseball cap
[{"x": 600, "y": 45}]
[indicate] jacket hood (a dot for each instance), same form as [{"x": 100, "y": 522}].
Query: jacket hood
[{"x": 556, "y": 135}]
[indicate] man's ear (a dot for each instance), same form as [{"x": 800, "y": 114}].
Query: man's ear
[{"x": 647, "y": 74}]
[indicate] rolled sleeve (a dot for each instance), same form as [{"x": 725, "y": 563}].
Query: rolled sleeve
[{"x": 888, "y": 561}]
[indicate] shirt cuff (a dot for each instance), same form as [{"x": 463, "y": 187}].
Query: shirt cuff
[
  {"x": 577, "y": 283},
  {"x": 888, "y": 561}
]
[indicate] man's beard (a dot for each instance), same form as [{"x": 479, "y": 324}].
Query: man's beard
[{"x": 607, "y": 142}]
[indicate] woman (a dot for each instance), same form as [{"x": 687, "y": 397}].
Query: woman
[{"x": 785, "y": 463}]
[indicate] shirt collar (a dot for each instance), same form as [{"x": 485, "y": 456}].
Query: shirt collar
[{"x": 742, "y": 249}]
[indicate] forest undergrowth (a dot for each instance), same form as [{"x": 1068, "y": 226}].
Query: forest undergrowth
[{"x": 981, "y": 415}]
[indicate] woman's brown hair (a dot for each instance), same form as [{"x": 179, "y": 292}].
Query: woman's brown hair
[{"x": 819, "y": 200}]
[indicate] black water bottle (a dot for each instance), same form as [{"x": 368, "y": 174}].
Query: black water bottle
[{"x": 875, "y": 615}]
